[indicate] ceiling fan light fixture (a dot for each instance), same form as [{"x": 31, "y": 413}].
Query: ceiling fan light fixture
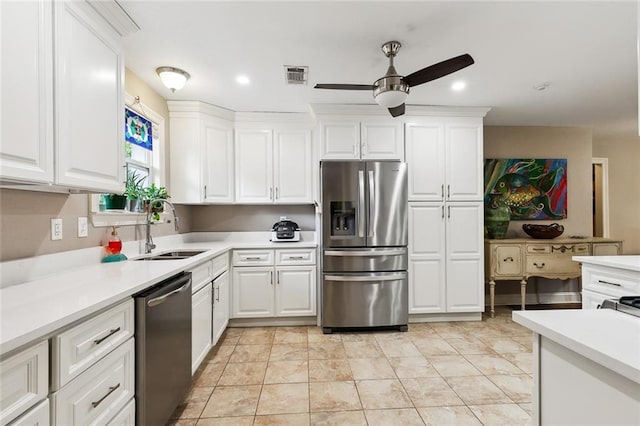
[
  {"x": 390, "y": 91},
  {"x": 173, "y": 78}
]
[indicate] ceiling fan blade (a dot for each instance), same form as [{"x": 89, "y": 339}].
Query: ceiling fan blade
[
  {"x": 345, "y": 86},
  {"x": 438, "y": 70},
  {"x": 397, "y": 111}
]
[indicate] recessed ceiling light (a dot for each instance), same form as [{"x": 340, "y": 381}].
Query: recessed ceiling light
[
  {"x": 243, "y": 80},
  {"x": 458, "y": 86}
]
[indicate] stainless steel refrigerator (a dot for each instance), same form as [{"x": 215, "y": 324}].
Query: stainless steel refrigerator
[{"x": 364, "y": 244}]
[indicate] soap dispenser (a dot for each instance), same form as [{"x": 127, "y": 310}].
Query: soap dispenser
[{"x": 113, "y": 247}]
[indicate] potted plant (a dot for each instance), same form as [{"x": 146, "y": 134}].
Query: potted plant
[
  {"x": 114, "y": 201},
  {"x": 153, "y": 192},
  {"x": 133, "y": 190}
]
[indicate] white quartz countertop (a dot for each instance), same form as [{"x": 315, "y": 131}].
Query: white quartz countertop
[
  {"x": 34, "y": 309},
  {"x": 605, "y": 336},
  {"x": 628, "y": 262}
]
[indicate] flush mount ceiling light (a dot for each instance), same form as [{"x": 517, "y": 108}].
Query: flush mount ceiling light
[
  {"x": 243, "y": 80},
  {"x": 458, "y": 86},
  {"x": 173, "y": 78}
]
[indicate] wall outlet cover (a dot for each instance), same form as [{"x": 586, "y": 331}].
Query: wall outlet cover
[
  {"x": 56, "y": 229},
  {"x": 83, "y": 228}
]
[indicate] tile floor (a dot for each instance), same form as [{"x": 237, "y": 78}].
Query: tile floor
[{"x": 449, "y": 373}]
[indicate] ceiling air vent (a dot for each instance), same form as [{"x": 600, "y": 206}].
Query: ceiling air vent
[{"x": 296, "y": 74}]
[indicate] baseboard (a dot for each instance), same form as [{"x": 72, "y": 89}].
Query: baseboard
[
  {"x": 272, "y": 322},
  {"x": 541, "y": 298},
  {"x": 471, "y": 316}
]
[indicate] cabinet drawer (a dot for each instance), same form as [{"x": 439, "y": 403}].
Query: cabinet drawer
[
  {"x": 220, "y": 264},
  {"x": 126, "y": 416},
  {"x": 611, "y": 282},
  {"x": 24, "y": 380},
  {"x": 560, "y": 266},
  {"x": 538, "y": 248},
  {"x": 508, "y": 261},
  {"x": 76, "y": 349},
  {"x": 296, "y": 257},
  {"x": 252, "y": 257},
  {"x": 201, "y": 275},
  {"x": 37, "y": 416},
  {"x": 99, "y": 393}
]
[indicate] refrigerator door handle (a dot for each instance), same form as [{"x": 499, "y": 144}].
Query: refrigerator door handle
[
  {"x": 385, "y": 277},
  {"x": 372, "y": 202},
  {"x": 361, "y": 215}
]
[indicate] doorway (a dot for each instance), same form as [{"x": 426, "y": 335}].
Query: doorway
[{"x": 600, "y": 196}]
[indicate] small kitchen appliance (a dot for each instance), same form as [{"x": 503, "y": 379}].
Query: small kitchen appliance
[{"x": 285, "y": 231}]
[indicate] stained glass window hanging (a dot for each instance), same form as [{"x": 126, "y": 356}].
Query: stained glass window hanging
[{"x": 138, "y": 130}]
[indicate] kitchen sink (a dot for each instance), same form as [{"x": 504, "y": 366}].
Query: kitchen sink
[{"x": 172, "y": 255}]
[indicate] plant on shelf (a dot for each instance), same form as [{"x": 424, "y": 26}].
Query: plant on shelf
[
  {"x": 133, "y": 190},
  {"x": 153, "y": 192}
]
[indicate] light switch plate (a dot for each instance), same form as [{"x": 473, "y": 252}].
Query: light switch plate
[
  {"x": 56, "y": 229},
  {"x": 83, "y": 230}
]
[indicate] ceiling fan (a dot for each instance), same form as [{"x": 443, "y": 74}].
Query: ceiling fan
[{"x": 392, "y": 89}]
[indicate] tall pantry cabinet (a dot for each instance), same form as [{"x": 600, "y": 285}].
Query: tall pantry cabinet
[{"x": 445, "y": 184}]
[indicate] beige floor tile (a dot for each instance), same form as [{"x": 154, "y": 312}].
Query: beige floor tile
[
  {"x": 448, "y": 416},
  {"x": 220, "y": 353},
  {"x": 227, "y": 401},
  {"x": 524, "y": 361},
  {"x": 257, "y": 336},
  {"x": 315, "y": 335},
  {"x": 392, "y": 417},
  {"x": 526, "y": 341},
  {"x": 192, "y": 407},
  {"x": 432, "y": 345},
  {"x": 243, "y": 373},
  {"x": 289, "y": 335},
  {"x": 326, "y": 350},
  {"x": 367, "y": 349},
  {"x": 510, "y": 328},
  {"x": 250, "y": 353},
  {"x": 371, "y": 368},
  {"x": 333, "y": 396},
  {"x": 527, "y": 407},
  {"x": 477, "y": 390},
  {"x": 505, "y": 345},
  {"x": 453, "y": 366},
  {"x": 287, "y": 398},
  {"x": 470, "y": 346},
  {"x": 329, "y": 370},
  {"x": 210, "y": 375},
  {"x": 289, "y": 352},
  {"x": 378, "y": 394},
  {"x": 412, "y": 367},
  {"x": 287, "y": 372},
  {"x": 517, "y": 387},
  {"x": 339, "y": 418},
  {"x": 430, "y": 392},
  {"x": 300, "y": 419},
  {"x": 358, "y": 337},
  {"x": 391, "y": 335},
  {"x": 492, "y": 364},
  {"x": 422, "y": 328},
  {"x": 501, "y": 414},
  {"x": 227, "y": 421},
  {"x": 398, "y": 348},
  {"x": 182, "y": 422}
]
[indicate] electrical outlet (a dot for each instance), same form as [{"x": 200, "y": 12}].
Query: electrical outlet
[
  {"x": 83, "y": 230},
  {"x": 56, "y": 229}
]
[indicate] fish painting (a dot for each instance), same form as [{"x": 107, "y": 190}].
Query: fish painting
[{"x": 532, "y": 189}]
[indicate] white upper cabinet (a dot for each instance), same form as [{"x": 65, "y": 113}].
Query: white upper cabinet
[
  {"x": 292, "y": 166},
  {"x": 218, "y": 162},
  {"x": 254, "y": 166},
  {"x": 26, "y": 73},
  {"x": 361, "y": 139},
  {"x": 89, "y": 81},
  {"x": 445, "y": 158}
]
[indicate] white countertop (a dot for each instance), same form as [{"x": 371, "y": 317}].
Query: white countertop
[
  {"x": 605, "y": 336},
  {"x": 628, "y": 262},
  {"x": 34, "y": 309}
]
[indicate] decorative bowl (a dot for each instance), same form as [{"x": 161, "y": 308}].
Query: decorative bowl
[{"x": 544, "y": 232}]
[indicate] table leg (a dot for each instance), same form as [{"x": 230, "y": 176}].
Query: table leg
[
  {"x": 523, "y": 291},
  {"x": 492, "y": 296}
]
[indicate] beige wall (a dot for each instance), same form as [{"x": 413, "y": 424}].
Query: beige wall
[
  {"x": 623, "y": 156},
  {"x": 248, "y": 218},
  {"x": 25, "y": 215},
  {"x": 571, "y": 143}
]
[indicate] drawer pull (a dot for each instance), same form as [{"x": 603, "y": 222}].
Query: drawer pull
[
  {"x": 253, "y": 258},
  {"x": 296, "y": 257},
  {"x": 508, "y": 259},
  {"x": 111, "y": 333},
  {"x": 538, "y": 248},
  {"x": 538, "y": 266},
  {"x": 94, "y": 404},
  {"x": 609, "y": 283}
]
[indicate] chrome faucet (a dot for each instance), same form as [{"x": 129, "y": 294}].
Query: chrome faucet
[{"x": 149, "y": 245}]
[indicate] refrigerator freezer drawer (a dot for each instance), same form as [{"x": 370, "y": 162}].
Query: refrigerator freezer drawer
[
  {"x": 365, "y": 300},
  {"x": 365, "y": 260}
]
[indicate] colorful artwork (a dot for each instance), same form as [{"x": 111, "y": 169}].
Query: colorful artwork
[
  {"x": 137, "y": 130},
  {"x": 531, "y": 188}
]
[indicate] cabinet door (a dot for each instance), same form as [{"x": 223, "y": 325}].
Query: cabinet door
[
  {"x": 296, "y": 291},
  {"x": 220, "y": 305},
  {"x": 382, "y": 141},
  {"x": 293, "y": 179},
  {"x": 425, "y": 159},
  {"x": 89, "y": 78},
  {"x": 508, "y": 261},
  {"x": 607, "y": 249},
  {"x": 26, "y": 84},
  {"x": 426, "y": 258},
  {"x": 201, "y": 320},
  {"x": 465, "y": 275},
  {"x": 218, "y": 163},
  {"x": 254, "y": 166},
  {"x": 186, "y": 159},
  {"x": 37, "y": 416},
  {"x": 464, "y": 168},
  {"x": 253, "y": 292},
  {"x": 592, "y": 300},
  {"x": 340, "y": 141}
]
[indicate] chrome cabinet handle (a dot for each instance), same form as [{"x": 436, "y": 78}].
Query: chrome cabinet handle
[
  {"x": 111, "y": 333},
  {"x": 205, "y": 191},
  {"x": 218, "y": 297},
  {"x": 296, "y": 257},
  {"x": 448, "y": 212},
  {"x": 609, "y": 283},
  {"x": 508, "y": 259},
  {"x": 252, "y": 258},
  {"x": 277, "y": 196},
  {"x": 278, "y": 277},
  {"x": 271, "y": 193},
  {"x": 448, "y": 191},
  {"x": 271, "y": 277},
  {"x": 537, "y": 249},
  {"x": 443, "y": 211},
  {"x": 94, "y": 404},
  {"x": 442, "y": 190},
  {"x": 538, "y": 266}
]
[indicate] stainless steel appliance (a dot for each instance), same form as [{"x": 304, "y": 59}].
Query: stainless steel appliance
[
  {"x": 285, "y": 230},
  {"x": 163, "y": 349},
  {"x": 627, "y": 304},
  {"x": 364, "y": 244}
]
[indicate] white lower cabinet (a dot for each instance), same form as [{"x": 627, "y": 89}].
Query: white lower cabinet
[
  {"x": 603, "y": 282},
  {"x": 126, "y": 416},
  {"x": 278, "y": 290},
  {"x": 37, "y": 416},
  {"x": 220, "y": 305},
  {"x": 201, "y": 324}
]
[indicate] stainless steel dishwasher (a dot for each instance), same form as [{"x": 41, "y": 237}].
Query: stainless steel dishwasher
[{"x": 163, "y": 349}]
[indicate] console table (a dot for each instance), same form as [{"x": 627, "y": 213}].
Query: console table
[{"x": 521, "y": 258}]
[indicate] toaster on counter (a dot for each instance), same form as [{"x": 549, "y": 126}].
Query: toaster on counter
[{"x": 285, "y": 231}]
